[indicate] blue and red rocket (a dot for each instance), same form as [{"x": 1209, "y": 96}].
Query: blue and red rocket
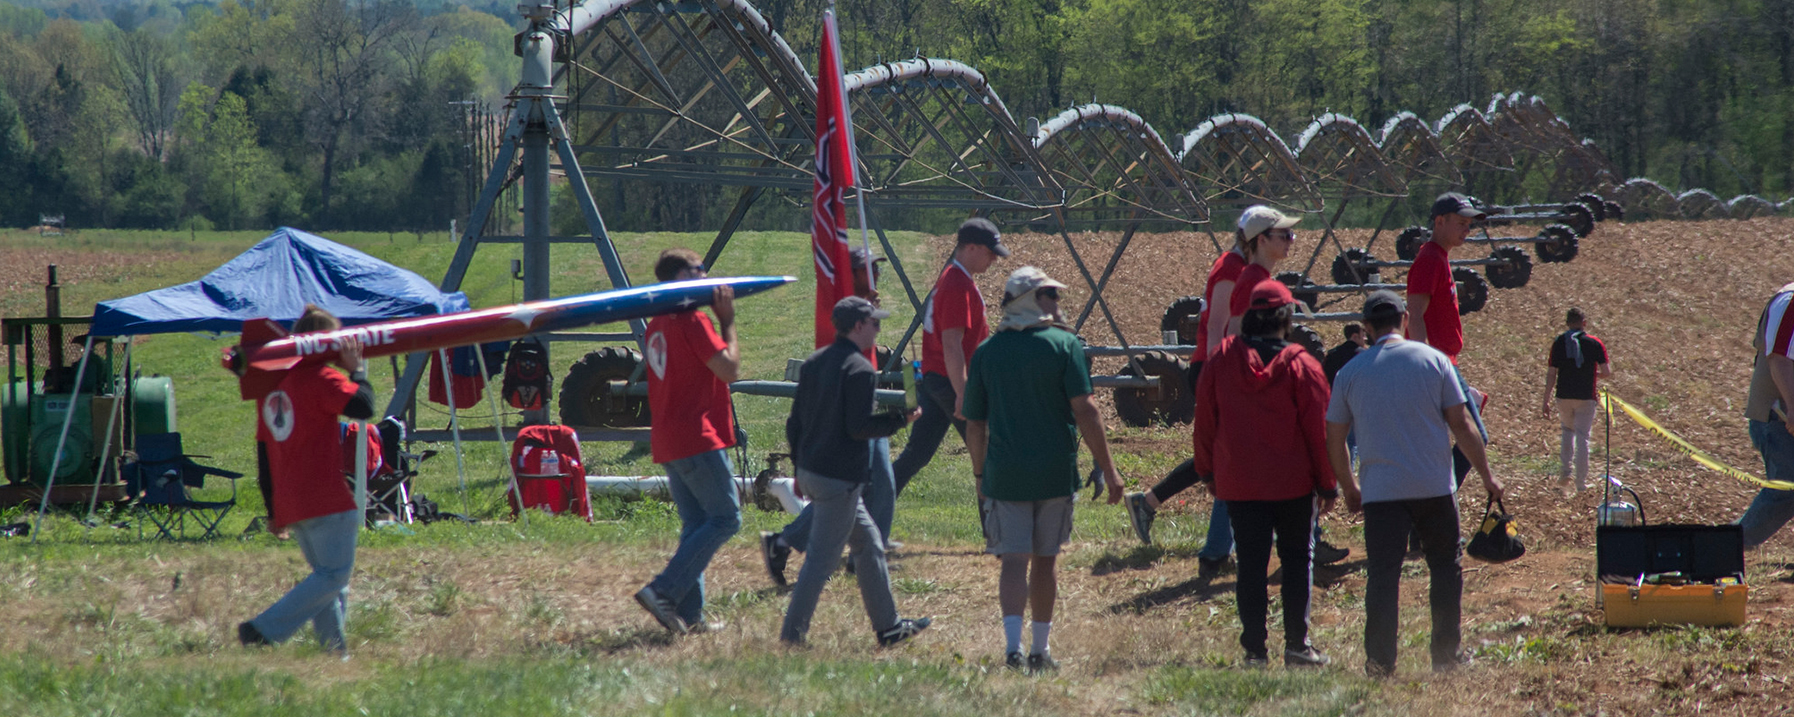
[{"x": 267, "y": 350}]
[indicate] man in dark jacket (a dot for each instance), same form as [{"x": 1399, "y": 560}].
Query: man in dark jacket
[
  {"x": 1260, "y": 431},
  {"x": 1338, "y": 356},
  {"x": 834, "y": 418}
]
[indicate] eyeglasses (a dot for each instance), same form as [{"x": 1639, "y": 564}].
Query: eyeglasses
[
  {"x": 1282, "y": 235},
  {"x": 695, "y": 268},
  {"x": 1048, "y": 292}
]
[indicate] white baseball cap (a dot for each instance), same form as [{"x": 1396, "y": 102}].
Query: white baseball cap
[{"x": 1258, "y": 219}]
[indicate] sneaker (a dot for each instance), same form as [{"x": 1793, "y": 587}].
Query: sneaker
[
  {"x": 775, "y": 556},
  {"x": 1042, "y": 662},
  {"x": 1563, "y": 487},
  {"x": 1141, "y": 516},
  {"x": 707, "y": 625},
  {"x": 1378, "y": 670},
  {"x": 1256, "y": 661},
  {"x": 892, "y": 546},
  {"x": 249, "y": 636},
  {"x": 1305, "y": 657},
  {"x": 1326, "y": 553},
  {"x": 1452, "y": 664},
  {"x": 661, "y": 608},
  {"x": 1208, "y": 568},
  {"x": 1015, "y": 661},
  {"x": 903, "y": 630}
]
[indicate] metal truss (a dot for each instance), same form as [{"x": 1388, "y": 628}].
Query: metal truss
[
  {"x": 1701, "y": 204},
  {"x": 1473, "y": 146},
  {"x": 1745, "y": 206},
  {"x": 1408, "y": 142},
  {"x": 1342, "y": 160},
  {"x": 1243, "y": 162},
  {"x": 1115, "y": 169},
  {"x": 1646, "y": 198}
]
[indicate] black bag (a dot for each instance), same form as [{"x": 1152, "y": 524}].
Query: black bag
[
  {"x": 1497, "y": 540},
  {"x": 526, "y": 376}
]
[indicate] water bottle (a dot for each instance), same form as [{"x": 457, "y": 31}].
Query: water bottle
[
  {"x": 909, "y": 384},
  {"x": 551, "y": 462}
]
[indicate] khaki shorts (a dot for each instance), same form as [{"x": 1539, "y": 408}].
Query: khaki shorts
[{"x": 1028, "y": 527}]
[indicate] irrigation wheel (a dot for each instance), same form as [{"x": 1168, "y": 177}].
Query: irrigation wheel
[{"x": 1171, "y": 403}]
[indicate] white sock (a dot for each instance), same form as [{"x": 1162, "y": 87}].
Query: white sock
[
  {"x": 1040, "y": 638},
  {"x": 1012, "y": 633}
]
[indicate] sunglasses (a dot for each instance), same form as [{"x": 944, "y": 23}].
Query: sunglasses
[
  {"x": 1282, "y": 235},
  {"x": 695, "y": 268},
  {"x": 1048, "y": 292}
]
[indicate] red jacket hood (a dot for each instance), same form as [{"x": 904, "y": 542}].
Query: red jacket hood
[{"x": 1260, "y": 427}]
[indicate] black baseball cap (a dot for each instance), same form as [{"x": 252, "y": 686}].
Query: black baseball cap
[
  {"x": 1384, "y": 303},
  {"x": 849, "y": 312},
  {"x": 979, "y": 230},
  {"x": 862, "y": 258},
  {"x": 1459, "y": 204}
]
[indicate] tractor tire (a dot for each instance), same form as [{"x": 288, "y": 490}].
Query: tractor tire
[
  {"x": 1183, "y": 317},
  {"x": 586, "y": 398},
  {"x": 1560, "y": 251},
  {"x": 1473, "y": 290},
  {"x": 1408, "y": 243},
  {"x": 1349, "y": 268},
  {"x": 1171, "y": 404},
  {"x": 1296, "y": 283},
  {"x": 1515, "y": 273},
  {"x": 1595, "y": 204},
  {"x": 1308, "y": 338},
  {"x": 1578, "y": 217},
  {"x": 1615, "y": 212}
]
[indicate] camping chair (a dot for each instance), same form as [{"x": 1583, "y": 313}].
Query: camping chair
[
  {"x": 159, "y": 479},
  {"x": 389, "y": 494}
]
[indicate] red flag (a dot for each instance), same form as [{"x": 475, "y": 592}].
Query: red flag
[{"x": 834, "y": 174}]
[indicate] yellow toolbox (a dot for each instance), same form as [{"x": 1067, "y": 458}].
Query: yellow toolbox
[
  {"x": 1707, "y": 562},
  {"x": 1651, "y": 605}
]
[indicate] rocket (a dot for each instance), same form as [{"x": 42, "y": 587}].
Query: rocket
[{"x": 267, "y": 350}]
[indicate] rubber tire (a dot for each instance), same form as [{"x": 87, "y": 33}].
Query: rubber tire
[
  {"x": 1296, "y": 283},
  {"x": 1408, "y": 243},
  {"x": 1309, "y": 339},
  {"x": 586, "y": 400},
  {"x": 1473, "y": 290},
  {"x": 1560, "y": 251},
  {"x": 1181, "y": 316},
  {"x": 1595, "y": 204},
  {"x": 1175, "y": 403},
  {"x": 1512, "y": 275},
  {"x": 1615, "y": 212},
  {"x": 1578, "y": 217},
  {"x": 1343, "y": 265}
]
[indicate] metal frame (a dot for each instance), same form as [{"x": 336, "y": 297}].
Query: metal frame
[{"x": 1342, "y": 161}]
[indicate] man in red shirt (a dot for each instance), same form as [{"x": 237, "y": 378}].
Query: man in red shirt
[
  {"x": 311, "y": 499},
  {"x": 690, "y": 366},
  {"x": 1433, "y": 297},
  {"x": 954, "y": 324}
]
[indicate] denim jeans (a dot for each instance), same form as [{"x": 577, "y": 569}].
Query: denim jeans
[
  {"x": 1219, "y": 542},
  {"x": 703, "y": 489},
  {"x": 328, "y": 544},
  {"x": 880, "y": 496},
  {"x": 1387, "y": 525},
  {"x": 840, "y": 520},
  {"x": 1772, "y": 508},
  {"x": 1291, "y": 523},
  {"x": 937, "y": 397}
]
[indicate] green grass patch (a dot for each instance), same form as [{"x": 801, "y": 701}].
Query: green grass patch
[{"x": 1196, "y": 691}]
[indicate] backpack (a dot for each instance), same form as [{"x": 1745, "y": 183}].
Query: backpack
[{"x": 526, "y": 376}]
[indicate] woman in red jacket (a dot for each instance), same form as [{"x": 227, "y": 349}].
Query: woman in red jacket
[{"x": 1260, "y": 436}]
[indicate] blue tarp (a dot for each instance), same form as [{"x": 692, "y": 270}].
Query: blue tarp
[{"x": 275, "y": 279}]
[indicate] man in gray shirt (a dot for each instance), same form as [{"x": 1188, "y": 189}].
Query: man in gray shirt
[{"x": 1406, "y": 402}]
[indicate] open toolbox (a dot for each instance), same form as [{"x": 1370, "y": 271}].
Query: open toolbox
[{"x": 1671, "y": 575}]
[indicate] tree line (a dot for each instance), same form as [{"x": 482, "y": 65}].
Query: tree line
[{"x": 337, "y": 114}]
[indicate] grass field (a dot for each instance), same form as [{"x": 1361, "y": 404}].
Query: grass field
[{"x": 503, "y": 618}]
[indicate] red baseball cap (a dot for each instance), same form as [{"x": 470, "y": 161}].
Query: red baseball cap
[{"x": 1271, "y": 294}]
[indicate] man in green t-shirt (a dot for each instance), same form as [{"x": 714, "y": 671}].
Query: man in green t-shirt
[{"x": 1027, "y": 400}]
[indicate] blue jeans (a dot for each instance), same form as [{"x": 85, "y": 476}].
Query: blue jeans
[
  {"x": 1476, "y": 412},
  {"x": 936, "y": 397},
  {"x": 703, "y": 489},
  {"x": 328, "y": 544},
  {"x": 880, "y": 495},
  {"x": 1772, "y": 508},
  {"x": 1219, "y": 543}
]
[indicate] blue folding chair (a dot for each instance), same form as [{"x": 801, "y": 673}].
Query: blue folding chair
[{"x": 159, "y": 479}]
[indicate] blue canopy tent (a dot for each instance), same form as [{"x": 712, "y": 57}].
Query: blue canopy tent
[{"x": 274, "y": 279}]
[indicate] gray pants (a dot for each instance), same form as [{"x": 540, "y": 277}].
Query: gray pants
[{"x": 839, "y": 518}]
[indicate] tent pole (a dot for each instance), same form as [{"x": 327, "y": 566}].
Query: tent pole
[
  {"x": 498, "y": 427},
  {"x": 68, "y": 418},
  {"x": 454, "y": 428},
  {"x": 118, "y": 403}
]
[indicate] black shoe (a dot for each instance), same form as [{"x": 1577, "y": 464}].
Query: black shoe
[
  {"x": 1306, "y": 657},
  {"x": 1208, "y": 568},
  {"x": 251, "y": 637},
  {"x": 1015, "y": 661},
  {"x": 1326, "y": 553},
  {"x": 775, "y": 556},
  {"x": 903, "y": 630},
  {"x": 1042, "y": 662},
  {"x": 1256, "y": 661},
  {"x": 1452, "y": 664},
  {"x": 661, "y": 608},
  {"x": 1140, "y": 515},
  {"x": 1378, "y": 670}
]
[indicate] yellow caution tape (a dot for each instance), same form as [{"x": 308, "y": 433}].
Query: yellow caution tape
[{"x": 1608, "y": 401}]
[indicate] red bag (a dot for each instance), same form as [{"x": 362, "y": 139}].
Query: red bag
[
  {"x": 550, "y": 471},
  {"x": 375, "y": 464}
]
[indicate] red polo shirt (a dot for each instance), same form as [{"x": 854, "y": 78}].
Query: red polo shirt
[
  {"x": 1431, "y": 275},
  {"x": 688, "y": 405},
  {"x": 955, "y": 304}
]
